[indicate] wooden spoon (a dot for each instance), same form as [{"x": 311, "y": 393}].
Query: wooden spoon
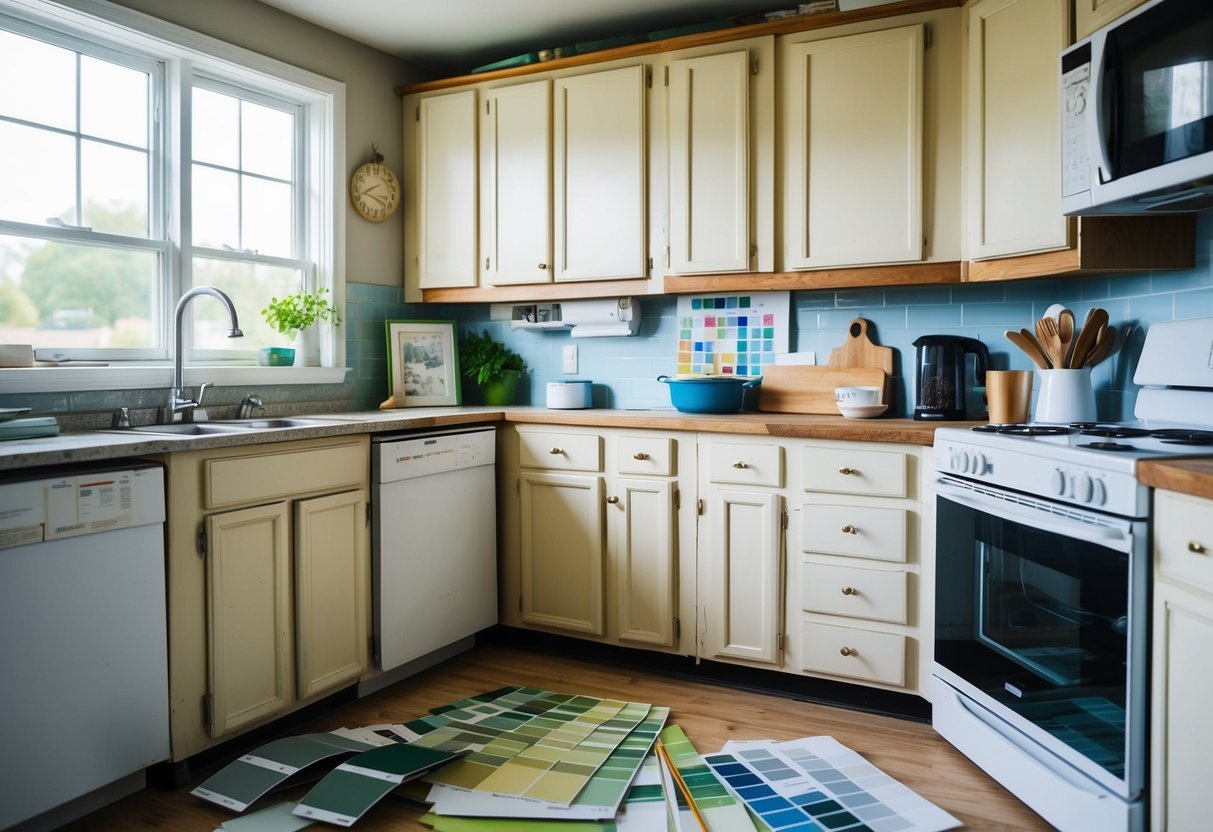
[
  {"x": 1050, "y": 341},
  {"x": 1065, "y": 334},
  {"x": 1095, "y": 319},
  {"x": 1105, "y": 341},
  {"x": 1024, "y": 340}
]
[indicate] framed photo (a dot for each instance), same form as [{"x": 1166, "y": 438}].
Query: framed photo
[{"x": 423, "y": 363}]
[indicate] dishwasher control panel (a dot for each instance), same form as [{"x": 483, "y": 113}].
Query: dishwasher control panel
[{"x": 420, "y": 456}]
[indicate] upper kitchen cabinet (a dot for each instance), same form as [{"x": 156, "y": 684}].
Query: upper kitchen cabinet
[
  {"x": 721, "y": 154},
  {"x": 440, "y": 138},
  {"x": 1089, "y": 15},
  {"x": 1013, "y": 219}
]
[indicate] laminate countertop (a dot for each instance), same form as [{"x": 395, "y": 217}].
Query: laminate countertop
[
  {"x": 1192, "y": 476},
  {"x": 93, "y": 445}
]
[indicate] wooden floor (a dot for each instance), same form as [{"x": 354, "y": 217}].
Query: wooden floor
[{"x": 709, "y": 714}]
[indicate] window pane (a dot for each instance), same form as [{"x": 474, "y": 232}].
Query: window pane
[
  {"x": 267, "y": 216},
  {"x": 113, "y": 185},
  {"x": 267, "y": 141},
  {"x": 250, "y": 286},
  {"x": 66, "y": 296},
  {"x": 37, "y": 175},
  {"x": 37, "y": 81},
  {"x": 216, "y": 207},
  {"x": 113, "y": 102},
  {"x": 216, "y": 131}
]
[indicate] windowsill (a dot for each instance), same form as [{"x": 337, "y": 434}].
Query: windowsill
[{"x": 143, "y": 376}]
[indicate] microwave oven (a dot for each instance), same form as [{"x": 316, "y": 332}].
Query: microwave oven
[{"x": 1137, "y": 113}]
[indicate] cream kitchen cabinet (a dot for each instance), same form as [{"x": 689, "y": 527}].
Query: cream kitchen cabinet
[
  {"x": 854, "y": 606},
  {"x": 1181, "y": 731},
  {"x": 741, "y": 550},
  {"x": 591, "y": 536},
  {"x": 721, "y": 121},
  {"x": 268, "y": 582},
  {"x": 1089, "y": 15}
]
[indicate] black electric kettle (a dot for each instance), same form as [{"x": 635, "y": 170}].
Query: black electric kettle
[{"x": 939, "y": 386}]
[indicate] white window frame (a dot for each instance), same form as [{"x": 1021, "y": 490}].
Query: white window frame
[{"x": 190, "y": 56}]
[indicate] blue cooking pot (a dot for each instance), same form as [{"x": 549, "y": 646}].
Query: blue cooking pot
[{"x": 708, "y": 394}]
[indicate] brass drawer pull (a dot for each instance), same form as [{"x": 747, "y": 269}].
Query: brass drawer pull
[
  {"x": 556, "y": 451},
  {"x": 543, "y": 265},
  {"x": 1196, "y": 547},
  {"x": 612, "y": 500},
  {"x": 740, "y": 465},
  {"x": 641, "y": 455},
  {"x": 849, "y": 529},
  {"x": 848, "y": 472},
  {"x": 850, "y": 590},
  {"x": 849, "y": 651}
]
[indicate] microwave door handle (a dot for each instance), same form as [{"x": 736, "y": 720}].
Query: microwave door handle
[
  {"x": 1108, "y": 536},
  {"x": 1107, "y": 110}
]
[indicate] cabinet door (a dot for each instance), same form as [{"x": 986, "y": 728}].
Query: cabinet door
[
  {"x": 330, "y": 590},
  {"x": 642, "y": 553},
  {"x": 249, "y": 615},
  {"x": 1089, "y": 15},
  {"x": 562, "y": 546},
  {"x": 740, "y": 602},
  {"x": 516, "y": 185},
  {"x": 709, "y": 120},
  {"x": 600, "y": 175},
  {"x": 853, "y": 150},
  {"x": 1182, "y": 731},
  {"x": 1013, "y": 150},
  {"x": 446, "y": 190}
]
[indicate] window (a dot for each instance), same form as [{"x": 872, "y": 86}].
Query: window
[{"x": 140, "y": 160}]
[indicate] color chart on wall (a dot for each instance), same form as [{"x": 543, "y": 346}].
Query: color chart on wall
[
  {"x": 816, "y": 784},
  {"x": 731, "y": 334}
]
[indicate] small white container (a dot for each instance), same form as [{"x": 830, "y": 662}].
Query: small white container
[
  {"x": 857, "y": 396},
  {"x": 1065, "y": 396},
  {"x": 569, "y": 395}
]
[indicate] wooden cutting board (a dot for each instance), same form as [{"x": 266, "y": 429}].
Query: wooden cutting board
[
  {"x": 859, "y": 351},
  {"x": 791, "y": 388}
]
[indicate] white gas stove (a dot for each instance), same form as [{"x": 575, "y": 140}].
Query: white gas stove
[{"x": 1094, "y": 465}]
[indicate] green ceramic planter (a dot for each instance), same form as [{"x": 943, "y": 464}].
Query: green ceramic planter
[{"x": 503, "y": 390}]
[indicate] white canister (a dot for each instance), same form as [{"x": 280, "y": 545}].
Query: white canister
[
  {"x": 569, "y": 395},
  {"x": 1065, "y": 396}
]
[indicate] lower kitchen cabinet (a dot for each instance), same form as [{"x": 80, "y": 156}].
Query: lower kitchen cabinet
[
  {"x": 268, "y": 582},
  {"x": 1183, "y": 630}
]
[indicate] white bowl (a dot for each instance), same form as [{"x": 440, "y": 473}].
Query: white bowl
[
  {"x": 855, "y": 396},
  {"x": 861, "y": 411}
]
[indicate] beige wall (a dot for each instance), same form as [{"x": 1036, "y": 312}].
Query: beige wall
[{"x": 374, "y": 253}]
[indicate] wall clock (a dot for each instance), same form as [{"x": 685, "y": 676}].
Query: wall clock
[{"x": 374, "y": 189}]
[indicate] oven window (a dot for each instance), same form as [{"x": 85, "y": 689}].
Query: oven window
[{"x": 1039, "y": 622}]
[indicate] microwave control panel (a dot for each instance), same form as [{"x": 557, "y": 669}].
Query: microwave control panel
[{"x": 1075, "y": 118}]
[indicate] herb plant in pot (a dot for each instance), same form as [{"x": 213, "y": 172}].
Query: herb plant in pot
[
  {"x": 493, "y": 366},
  {"x": 294, "y": 315}
]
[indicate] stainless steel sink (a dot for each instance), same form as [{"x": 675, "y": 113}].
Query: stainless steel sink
[
  {"x": 226, "y": 426},
  {"x": 270, "y": 424}
]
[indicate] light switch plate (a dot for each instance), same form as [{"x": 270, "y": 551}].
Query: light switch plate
[{"x": 570, "y": 358}]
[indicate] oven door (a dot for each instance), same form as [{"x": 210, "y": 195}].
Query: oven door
[{"x": 1041, "y": 618}]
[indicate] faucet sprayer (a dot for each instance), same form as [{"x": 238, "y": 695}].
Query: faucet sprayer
[{"x": 177, "y": 406}]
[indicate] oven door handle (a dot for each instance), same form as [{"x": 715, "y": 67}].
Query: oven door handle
[{"x": 1109, "y": 536}]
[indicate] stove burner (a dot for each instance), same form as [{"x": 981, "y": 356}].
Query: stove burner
[
  {"x": 1182, "y": 436},
  {"x": 1035, "y": 430},
  {"x": 1111, "y": 431},
  {"x": 1106, "y": 446},
  {"x": 987, "y": 428}
]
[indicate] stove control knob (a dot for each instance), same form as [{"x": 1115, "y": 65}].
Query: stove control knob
[
  {"x": 978, "y": 465},
  {"x": 1083, "y": 488},
  {"x": 964, "y": 461},
  {"x": 1058, "y": 482},
  {"x": 1099, "y": 494}
]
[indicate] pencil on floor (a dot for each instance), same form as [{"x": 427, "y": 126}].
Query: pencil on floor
[{"x": 682, "y": 786}]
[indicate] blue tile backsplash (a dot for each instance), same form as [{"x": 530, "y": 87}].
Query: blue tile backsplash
[{"x": 624, "y": 370}]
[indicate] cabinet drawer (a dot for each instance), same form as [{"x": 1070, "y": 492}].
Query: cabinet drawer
[
  {"x": 857, "y": 531},
  {"x": 879, "y": 595},
  {"x": 560, "y": 451},
  {"x": 859, "y": 654},
  {"x": 645, "y": 455},
  {"x": 742, "y": 464},
  {"x": 1183, "y": 534},
  {"x": 855, "y": 471},
  {"x": 262, "y": 478}
]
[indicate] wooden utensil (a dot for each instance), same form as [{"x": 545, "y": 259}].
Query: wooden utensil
[
  {"x": 1105, "y": 344},
  {"x": 1031, "y": 337},
  {"x": 1029, "y": 346},
  {"x": 1085, "y": 342},
  {"x": 858, "y": 350},
  {"x": 1065, "y": 333},
  {"x": 1050, "y": 341}
]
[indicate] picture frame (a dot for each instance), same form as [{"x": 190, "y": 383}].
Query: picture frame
[{"x": 422, "y": 363}]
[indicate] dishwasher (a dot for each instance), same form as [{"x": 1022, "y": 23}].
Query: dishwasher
[
  {"x": 84, "y": 701},
  {"x": 434, "y": 542}
]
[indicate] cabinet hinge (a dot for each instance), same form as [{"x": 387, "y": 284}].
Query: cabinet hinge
[
  {"x": 417, "y": 112},
  {"x": 487, "y": 111},
  {"x": 667, "y": 257},
  {"x": 667, "y": 76},
  {"x": 650, "y": 265},
  {"x": 486, "y": 264},
  {"x": 779, "y": 642},
  {"x": 699, "y": 507},
  {"x": 202, "y": 541},
  {"x": 648, "y": 78},
  {"x": 783, "y": 520},
  {"x": 208, "y": 711},
  {"x": 677, "y": 499},
  {"x": 677, "y": 629},
  {"x": 927, "y": 37},
  {"x": 369, "y": 512},
  {"x": 372, "y": 648},
  {"x": 754, "y": 67}
]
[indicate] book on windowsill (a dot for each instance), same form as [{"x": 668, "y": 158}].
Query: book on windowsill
[{"x": 818, "y": 6}]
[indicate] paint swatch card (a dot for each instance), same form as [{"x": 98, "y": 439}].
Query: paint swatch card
[
  {"x": 733, "y": 333},
  {"x": 705, "y": 792},
  {"x": 238, "y": 784},
  {"x": 348, "y": 791}
]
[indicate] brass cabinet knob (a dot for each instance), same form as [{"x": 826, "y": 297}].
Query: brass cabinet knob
[
  {"x": 849, "y": 651},
  {"x": 740, "y": 465},
  {"x": 612, "y": 500},
  {"x": 849, "y": 529},
  {"x": 555, "y": 451},
  {"x": 850, "y": 590},
  {"x": 848, "y": 472},
  {"x": 1197, "y": 547},
  {"x": 543, "y": 265},
  {"x": 641, "y": 455}
]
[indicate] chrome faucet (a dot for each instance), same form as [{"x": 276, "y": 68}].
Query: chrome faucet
[
  {"x": 245, "y": 411},
  {"x": 178, "y": 408}
]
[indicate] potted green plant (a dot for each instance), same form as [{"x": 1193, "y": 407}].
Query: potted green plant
[
  {"x": 493, "y": 366},
  {"x": 293, "y": 315}
]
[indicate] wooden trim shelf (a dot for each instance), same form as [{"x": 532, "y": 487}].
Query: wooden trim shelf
[
  {"x": 775, "y": 27},
  {"x": 915, "y": 274},
  {"x": 539, "y": 291}
]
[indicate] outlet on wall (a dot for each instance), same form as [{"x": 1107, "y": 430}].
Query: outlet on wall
[{"x": 570, "y": 358}]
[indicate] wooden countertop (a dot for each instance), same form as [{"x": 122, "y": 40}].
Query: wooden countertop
[
  {"x": 85, "y": 446},
  {"x": 1191, "y": 475}
]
